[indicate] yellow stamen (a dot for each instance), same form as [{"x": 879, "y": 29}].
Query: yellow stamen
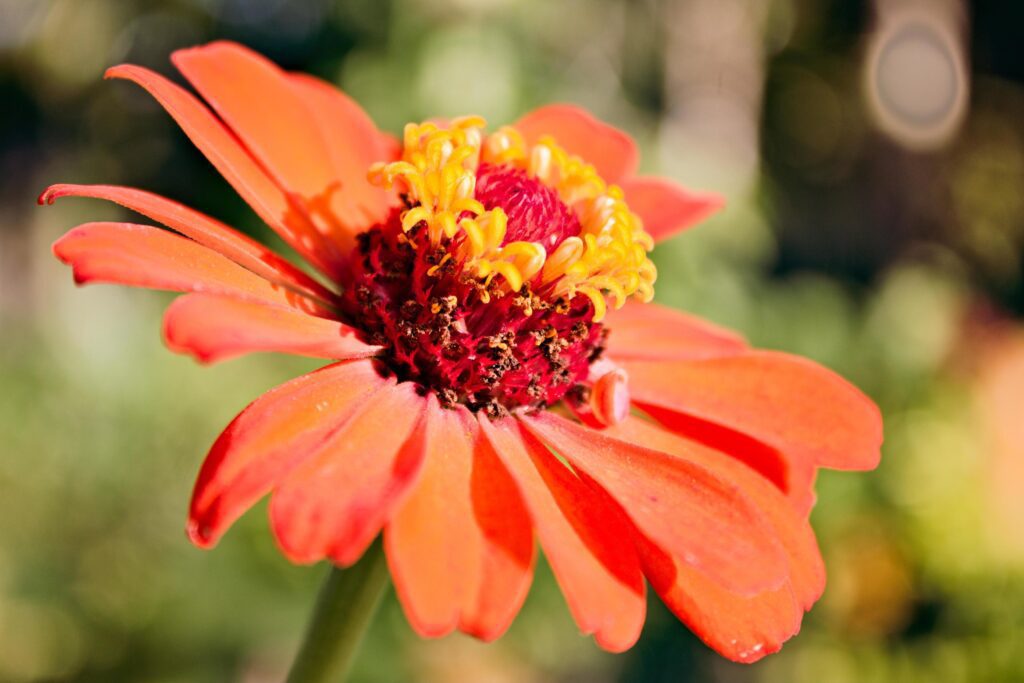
[
  {"x": 438, "y": 172},
  {"x": 609, "y": 258},
  {"x": 607, "y": 261}
]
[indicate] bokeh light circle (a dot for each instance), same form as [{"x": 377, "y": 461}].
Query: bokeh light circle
[{"x": 915, "y": 80}]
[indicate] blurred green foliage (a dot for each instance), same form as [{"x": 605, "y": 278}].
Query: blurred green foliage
[{"x": 900, "y": 268}]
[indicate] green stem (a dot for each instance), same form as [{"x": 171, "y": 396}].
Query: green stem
[{"x": 344, "y": 609}]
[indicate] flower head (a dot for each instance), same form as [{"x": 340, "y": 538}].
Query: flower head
[{"x": 500, "y": 376}]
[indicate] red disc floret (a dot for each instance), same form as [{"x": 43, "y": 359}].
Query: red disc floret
[
  {"x": 469, "y": 344},
  {"x": 535, "y": 212}
]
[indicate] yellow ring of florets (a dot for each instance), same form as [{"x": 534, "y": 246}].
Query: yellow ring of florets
[{"x": 606, "y": 261}]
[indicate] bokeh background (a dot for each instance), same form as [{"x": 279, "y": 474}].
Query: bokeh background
[{"x": 873, "y": 157}]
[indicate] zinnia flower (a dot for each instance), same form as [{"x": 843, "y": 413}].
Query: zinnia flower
[{"x": 499, "y": 375}]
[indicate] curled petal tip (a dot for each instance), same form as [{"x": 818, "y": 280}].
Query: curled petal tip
[
  {"x": 174, "y": 344},
  {"x": 609, "y": 397},
  {"x": 200, "y": 534}
]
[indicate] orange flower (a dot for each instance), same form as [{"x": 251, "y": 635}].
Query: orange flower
[{"x": 498, "y": 375}]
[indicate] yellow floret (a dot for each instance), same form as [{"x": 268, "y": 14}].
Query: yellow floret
[
  {"x": 609, "y": 258},
  {"x": 607, "y": 261}
]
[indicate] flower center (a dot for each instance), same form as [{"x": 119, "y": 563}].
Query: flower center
[
  {"x": 467, "y": 342},
  {"x": 535, "y": 212},
  {"x": 489, "y": 288}
]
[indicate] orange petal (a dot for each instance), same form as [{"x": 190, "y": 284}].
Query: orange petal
[
  {"x": 207, "y": 231},
  {"x": 587, "y": 541},
  {"x": 316, "y": 150},
  {"x": 271, "y": 436},
  {"x": 335, "y": 503},
  {"x": 433, "y": 544},
  {"x": 143, "y": 256},
  {"x": 791, "y": 404},
  {"x": 683, "y": 507},
  {"x": 510, "y": 552},
  {"x": 353, "y": 144},
  {"x": 653, "y": 332},
  {"x": 438, "y": 550},
  {"x": 612, "y": 152},
  {"x": 233, "y": 162},
  {"x": 741, "y": 628},
  {"x": 806, "y": 570},
  {"x": 793, "y": 476},
  {"x": 667, "y": 208},
  {"x": 214, "y": 328}
]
